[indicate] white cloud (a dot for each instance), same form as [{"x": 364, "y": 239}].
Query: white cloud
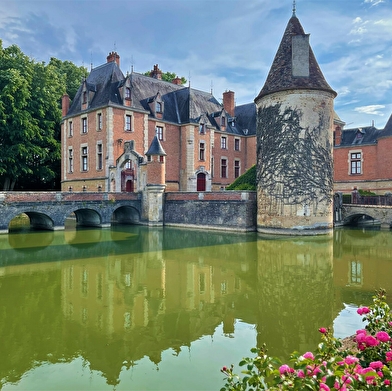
[{"x": 371, "y": 109}]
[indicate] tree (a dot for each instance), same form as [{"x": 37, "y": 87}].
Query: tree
[{"x": 30, "y": 116}]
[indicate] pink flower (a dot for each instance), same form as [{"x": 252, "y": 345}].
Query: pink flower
[
  {"x": 376, "y": 364},
  {"x": 308, "y": 355},
  {"x": 387, "y": 382},
  {"x": 363, "y": 310},
  {"x": 351, "y": 360},
  {"x": 383, "y": 336},
  {"x": 361, "y": 331},
  {"x": 324, "y": 387},
  {"x": 388, "y": 355},
  {"x": 322, "y": 330},
  {"x": 283, "y": 369},
  {"x": 301, "y": 374},
  {"x": 371, "y": 341}
]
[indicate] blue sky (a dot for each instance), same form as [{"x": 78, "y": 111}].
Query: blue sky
[{"x": 218, "y": 44}]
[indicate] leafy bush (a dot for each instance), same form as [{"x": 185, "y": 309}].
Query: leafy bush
[
  {"x": 364, "y": 366},
  {"x": 246, "y": 181}
]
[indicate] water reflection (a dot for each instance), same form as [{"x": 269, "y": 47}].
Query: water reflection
[{"x": 117, "y": 297}]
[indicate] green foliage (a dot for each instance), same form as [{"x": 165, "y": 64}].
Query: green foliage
[
  {"x": 246, "y": 181},
  {"x": 30, "y": 115},
  {"x": 369, "y": 367},
  {"x": 366, "y": 193},
  {"x": 168, "y": 76}
]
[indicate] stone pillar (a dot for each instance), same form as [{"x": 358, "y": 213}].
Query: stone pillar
[{"x": 153, "y": 199}]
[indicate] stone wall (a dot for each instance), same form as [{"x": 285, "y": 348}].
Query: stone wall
[{"x": 213, "y": 210}]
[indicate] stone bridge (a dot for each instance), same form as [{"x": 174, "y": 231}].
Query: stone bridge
[
  {"x": 49, "y": 210},
  {"x": 367, "y": 215}
]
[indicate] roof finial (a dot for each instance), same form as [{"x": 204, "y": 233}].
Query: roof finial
[{"x": 294, "y": 8}]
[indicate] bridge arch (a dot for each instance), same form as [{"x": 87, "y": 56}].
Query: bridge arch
[
  {"x": 361, "y": 220},
  {"x": 126, "y": 215},
  {"x": 87, "y": 217},
  {"x": 38, "y": 220}
]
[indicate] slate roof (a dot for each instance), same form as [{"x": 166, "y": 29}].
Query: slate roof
[
  {"x": 360, "y": 136},
  {"x": 181, "y": 104},
  {"x": 156, "y": 148},
  {"x": 280, "y": 75}
]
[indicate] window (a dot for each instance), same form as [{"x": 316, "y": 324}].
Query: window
[
  {"x": 201, "y": 150},
  {"x": 128, "y": 123},
  {"x": 99, "y": 121},
  {"x": 356, "y": 163},
  {"x": 202, "y": 129},
  {"x": 356, "y": 273},
  {"x": 161, "y": 159},
  {"x": 84, "y": 97},
  {"x": 236, "y": 144},
  {"x": 70, "y": 160},
  {"x": 223, "y": 142},
  {"x": 224, "y": 168},
  {"x": 99, "y": 157},
  {"x": 84, "y": 125},
  {"x": 70, "y": 129},
  {"x": 84, "y": 159},
  {"x": 127, "y": 93},
  {"x": 223, "y": 121},
  {"x": 158, "y": 107},
  {"x": 159, "y": 132},
  {"x": 236, "y": 168}
]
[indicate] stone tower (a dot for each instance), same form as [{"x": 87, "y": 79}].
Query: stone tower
[{"x": 294, "y": 141}]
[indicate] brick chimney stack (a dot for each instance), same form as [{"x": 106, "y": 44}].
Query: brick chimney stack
[
  {"x": 64, "y": 104},
  {"x": 156, "y": 73},
  {"x": 177, "y": 80},
  {"x": 228, "y": 102},
  {"x": 113, "y": 56}
]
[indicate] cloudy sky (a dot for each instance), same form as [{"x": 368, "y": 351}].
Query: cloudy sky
[{"x": 218, "y": 44}]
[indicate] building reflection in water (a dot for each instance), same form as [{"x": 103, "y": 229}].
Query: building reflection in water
[{"x": 117, "y": 296}]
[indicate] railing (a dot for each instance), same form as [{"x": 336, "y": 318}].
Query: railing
[{"x": 356, "y": 198}]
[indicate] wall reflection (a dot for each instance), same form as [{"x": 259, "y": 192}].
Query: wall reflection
[{"x": 131, "y": 292}]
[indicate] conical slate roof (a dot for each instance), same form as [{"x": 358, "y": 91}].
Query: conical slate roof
[
  {"x": 156, "y": 148},
  {"x": 281, "y": 77}
]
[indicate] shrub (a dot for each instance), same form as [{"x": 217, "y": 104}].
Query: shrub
[
  {"x": 366, "y": 366},
  {"x": 246, "y": 181}
]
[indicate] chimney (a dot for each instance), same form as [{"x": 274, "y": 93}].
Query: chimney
[
  {"x": 337, "y": 135},
  {"x": 64, "y": 104},
  {"x": 228, "y": 102},
  {"x": 177, "y": 80},
  {"x": 156, "y": 73},
  {"x": 113, "y": 56}
]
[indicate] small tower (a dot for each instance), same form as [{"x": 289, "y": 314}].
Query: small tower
[
  {"x": 294, "y": 141},
  {"x": 155, "y": 183}
]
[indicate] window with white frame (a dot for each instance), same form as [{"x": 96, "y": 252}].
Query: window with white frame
[
  {"x": 84, "y": 125},
  {"x": 202, "y": 129},
  {"x": 99, "y": 156},
  {"x": 202, "y": 150},
  {"x": 70, "y": 128},
  {"x": 159, "y": 132},
  {"x": 236, "y": 168},
  {"x": 236, "y": 144},
  {"x": 223, "y": 142},
  {"x": 224, "y": 168},
  {"x": 99, "y": 121},
  {"x": 128, "y": 122},
  {"x": 158, "y": 107},
  {"x": 84, "y": 156},
  {"x": 355, "y": 163},
  {"x": 70, "y": 160}
]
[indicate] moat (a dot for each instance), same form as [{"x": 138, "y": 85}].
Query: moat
[{"x": 138, "y": 308}]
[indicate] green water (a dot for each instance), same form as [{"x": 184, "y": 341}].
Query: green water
[{"x": 138, "y": 308}]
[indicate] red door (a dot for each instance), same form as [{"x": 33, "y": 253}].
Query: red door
[
  {"x": 129, "y": 186},
  {"x": 201, "y": 182}
]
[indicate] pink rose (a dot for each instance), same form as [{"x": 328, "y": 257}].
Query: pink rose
[
  {"x": 324, "y": 387},
  {"x": 363, "y": 310},
  {"x": 371, "y": 341},
  {"x": 322, "y": 330},
  {"x": 309, "y": 355},
  {"x": 349, "y": 360},
  {"x": 284, "y": 369},
  {"x": 376, "y": 364},
  {"x": 383, "y": 336}
]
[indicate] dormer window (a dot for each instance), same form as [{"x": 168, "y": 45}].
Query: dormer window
[
  {"x": 127, "y": 93},
  {"x": 158, "y": 107},
  {"x": 84, "y": 97},
  {"x": 223, "y": 121},
  {"x": 202, "y": 128}
]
